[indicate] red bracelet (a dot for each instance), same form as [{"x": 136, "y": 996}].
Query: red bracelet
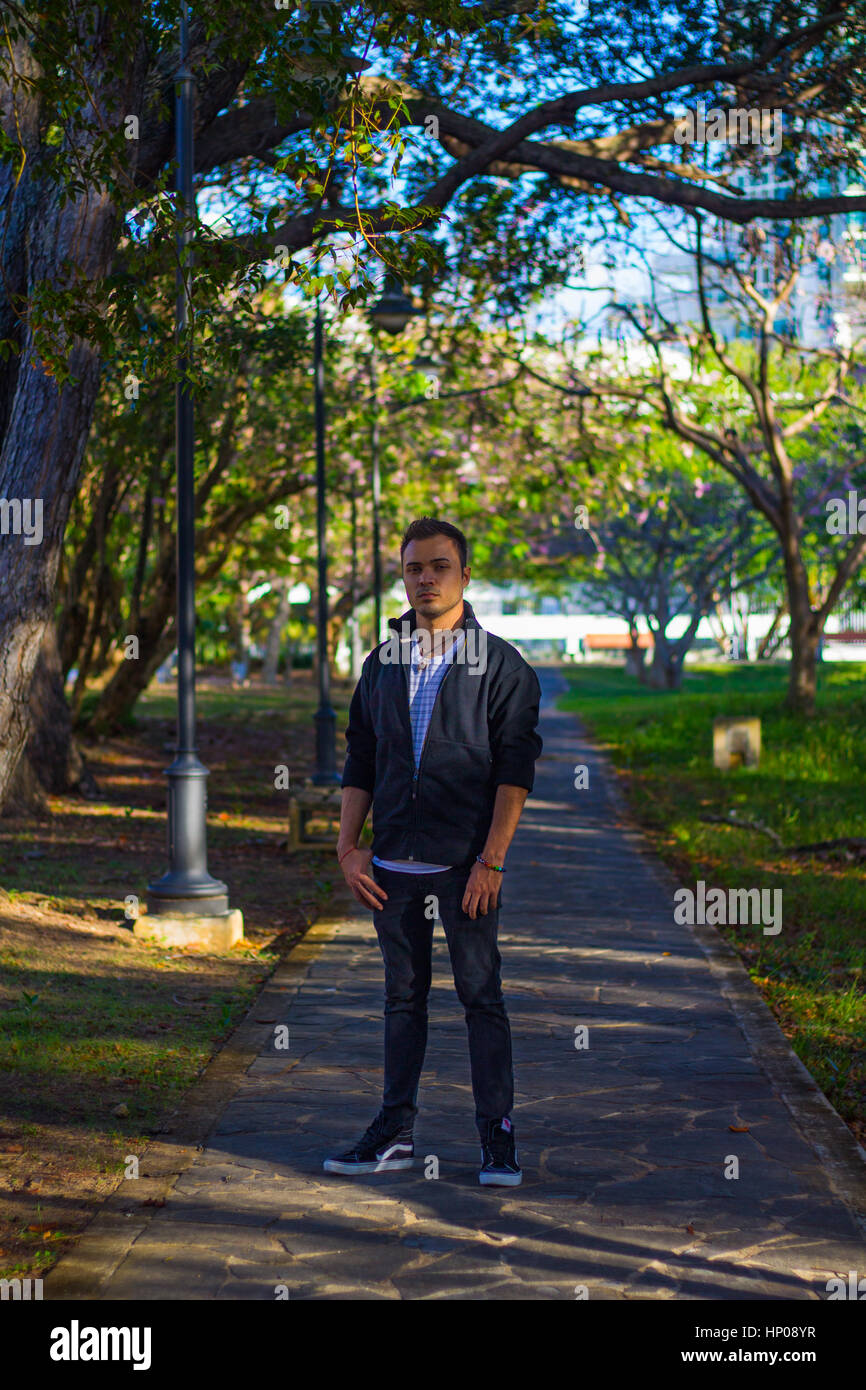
[{"x": 348, "y": 851}]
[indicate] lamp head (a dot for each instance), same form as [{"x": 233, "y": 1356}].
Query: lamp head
[{"x": 393, "y": 309}]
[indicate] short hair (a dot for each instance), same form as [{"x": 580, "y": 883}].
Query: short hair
[{"x": 427, "y": 526}]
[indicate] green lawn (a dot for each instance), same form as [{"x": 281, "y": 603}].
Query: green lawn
[{"x": 809, "y": 787}]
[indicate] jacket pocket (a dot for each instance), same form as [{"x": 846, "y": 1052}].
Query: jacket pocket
[
  {"x": 393, "y": 808},
  {"x": 455, "y": 785}
]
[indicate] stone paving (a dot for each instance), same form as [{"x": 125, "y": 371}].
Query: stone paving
[{"x": 624, "y": 1144}]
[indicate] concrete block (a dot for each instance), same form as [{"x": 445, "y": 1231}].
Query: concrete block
[
  {"x": 736, "y": 742},
  {"x": 218, "y": 933}
]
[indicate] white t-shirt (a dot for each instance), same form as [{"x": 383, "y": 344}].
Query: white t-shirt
[{"x": 410, "y": 866}]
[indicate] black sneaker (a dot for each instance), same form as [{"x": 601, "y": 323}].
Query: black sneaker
[
  {"x": 382, "y": 1149},
  {"x": 499, "y": 1166}
]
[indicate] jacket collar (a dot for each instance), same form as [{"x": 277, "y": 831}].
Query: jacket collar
[{"x": 469, "y": 618}]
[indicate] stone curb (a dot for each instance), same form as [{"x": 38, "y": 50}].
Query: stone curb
[{"x": 122, "y": 1217}]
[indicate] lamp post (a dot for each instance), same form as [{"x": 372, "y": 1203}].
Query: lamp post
[
  {"x": 391, "y": 312},
  {"x": 187, "y": 890},
  {"x": 377, "y": 493},
  {"x": 325, "y": 717}
]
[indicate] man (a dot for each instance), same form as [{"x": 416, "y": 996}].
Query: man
[{"x": 442, "y": 743}]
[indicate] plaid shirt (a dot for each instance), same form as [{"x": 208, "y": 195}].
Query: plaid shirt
[{"x": 424, "y": 682}]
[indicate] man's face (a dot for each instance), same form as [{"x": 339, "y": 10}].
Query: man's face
[{"x": 432, "y": 575}]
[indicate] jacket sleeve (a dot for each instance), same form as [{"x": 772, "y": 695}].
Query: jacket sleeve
[
  {"x": 512, "y": 716},
  {"x": 359, "y": 769}
]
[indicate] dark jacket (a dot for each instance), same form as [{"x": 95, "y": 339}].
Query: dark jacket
[{"x": 482, "y": 733}]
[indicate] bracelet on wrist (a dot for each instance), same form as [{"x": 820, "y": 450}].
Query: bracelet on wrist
[
  {"x": 341, "y": 857},
  {"x": 500, "y": 868}
]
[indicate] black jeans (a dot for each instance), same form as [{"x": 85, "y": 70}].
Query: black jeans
[{"x": 404, "y": 926}]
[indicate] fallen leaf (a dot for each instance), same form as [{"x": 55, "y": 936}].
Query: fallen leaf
[
  {"x": 739, "y": 1129},
  {"x": 691, "y": 1230}
]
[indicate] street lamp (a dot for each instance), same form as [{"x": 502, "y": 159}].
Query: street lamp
[
  {"x": 187, "y": 890},
  {"x": 377, "y": 492},
  {"x": 393, "y": 309},
  {"x": 325, "y": 717},
  {"x": 391, "y": 312}
]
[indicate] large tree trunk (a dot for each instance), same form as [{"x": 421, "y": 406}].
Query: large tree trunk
[
  {"x": 44, "y": 426},
  {"x": 271, "y": 662},
  {"x": 666, "y": 668},
  {"x": 804, "y": 634},
  {"x": 805, "y": 640},
  {"x": 243, "y": 628},
  {"x": 635, "y": 657},
  {"x": 635, "y": 663},
  {"x": 41, "y": 454},
  {"x": 51, "y": 749},
  {"x": 26, "y": 794},
  {"x": 157, "y": 631},
  {"x": 157, "y": 640}
]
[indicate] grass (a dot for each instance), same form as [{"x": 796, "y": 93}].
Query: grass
[
  {"x": 101, "y": 1033},
  {"x": 807, "y": 788}
]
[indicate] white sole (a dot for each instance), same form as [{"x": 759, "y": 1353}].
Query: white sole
[
  {"x": 387, "y": 1165},
  {"x": 500, "y": 1179}
]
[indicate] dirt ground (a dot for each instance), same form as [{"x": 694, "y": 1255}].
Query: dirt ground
[{"x": 100, "y": 1032}]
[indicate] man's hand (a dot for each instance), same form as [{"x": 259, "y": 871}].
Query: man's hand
[
  {"x": 355, "y": 865},
  {"x": 482, "y": 891}
]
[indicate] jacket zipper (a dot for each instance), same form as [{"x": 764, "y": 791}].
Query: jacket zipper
[{"x": 417, "y": 772}]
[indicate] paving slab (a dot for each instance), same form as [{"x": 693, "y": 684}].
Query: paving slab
[{"x": 627, "y": 1144}]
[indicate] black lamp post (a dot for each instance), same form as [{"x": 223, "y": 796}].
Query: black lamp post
[
  {"x": 391, "y": 311},
  {"x": 377, "y": 493},
  {"x": 325, "y": 717},
  {"x": 187, "y": 888}
]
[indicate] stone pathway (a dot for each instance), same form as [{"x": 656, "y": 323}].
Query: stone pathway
[{"x": 624, "y": 1144}]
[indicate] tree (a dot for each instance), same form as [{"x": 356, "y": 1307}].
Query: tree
[
  {"x": 255, "y": 448},
  {"x": 254, "y": 456},
  {"x": 86, "y": 123},
  {"x": 760, "y": 405},
  {"x": 664, "y": 554},
  {"x": 757, "y": 444}
]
